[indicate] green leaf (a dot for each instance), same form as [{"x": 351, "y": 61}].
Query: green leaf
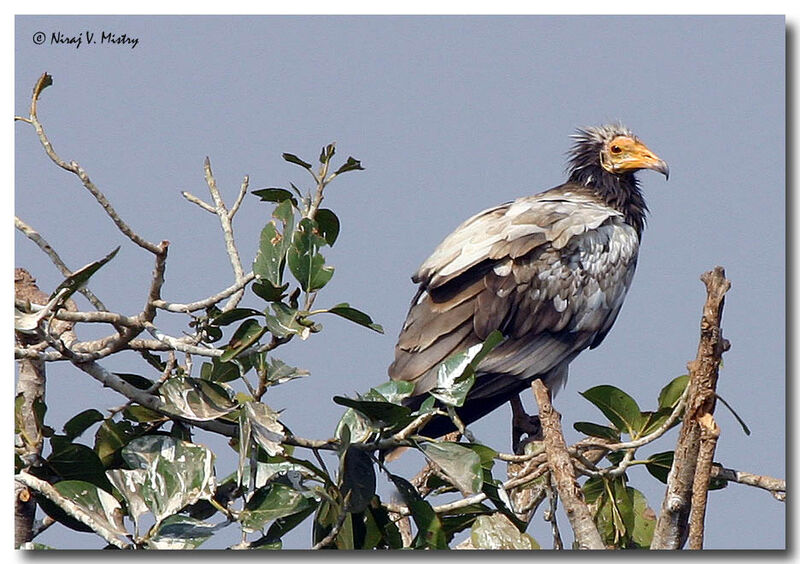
[
  {"x": 278, "y": 372},
  {"x": 271, "y": 502},
  {"x": 660, "y": 464},
  {"x": 644, "y": 524},
  {"x": 308, "y": 265},
  {"x": 354, "y": 315},
  {"x": 219, "y": 371},
  {"x": 274, "y": 244},
  {"x": 620, "y": 408},
  {"x": 168, "y": 474},
  {"x": 497, "y": 532},
  {"x": 327, "y": 153},
  {"x": 595, "y": 430},
  {"x": 264, "y": 427},
  {"x": 652, "y": 420},
  {"x": 233, "y": 315},
  {"x": 74, "y": 461},
  {"x": 178, "y": 532},
  {"x": 135, "y": 380},
  {"x": 111, "y": 437},
  {"x": 430, "y": 532},
  {"x": 355, "y": 425},
  {"x": 672, "y": 392},
  {"x": 245, "y": 336},
  {"x": 485, "y": 454},
  {"x": 296, "y": 160},
  {"x": 79, "y": 423},
  {"x": 195, "y": 399},
  {"x": 381, "y": 413},
  {"x": 328, "y": 225},
  {"x": 80, "y": 277},
  {"x": 393, "y": 391},
  {"x": 274, "y": 195},
  {"x": 284, "y": 321},
  {"x": 268, "y": 292},
  {"x": 357, "y": 479},
  {"x": 283, "y": 525},
  {"x": 351, "y": 164},
  {"x": 141, "y": 414},
  {"x": 460, "y": 464},
  {"x": 456, "y": 374},
  {"x": 99, "y": 504}
]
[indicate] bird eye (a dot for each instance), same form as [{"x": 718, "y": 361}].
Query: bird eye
[{"x": 615, "y": 149}]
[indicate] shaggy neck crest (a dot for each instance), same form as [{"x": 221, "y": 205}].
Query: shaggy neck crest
[{"x": 620, "y": 191}]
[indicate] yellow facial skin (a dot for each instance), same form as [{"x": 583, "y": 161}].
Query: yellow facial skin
[{"x": 625, "y": 154}]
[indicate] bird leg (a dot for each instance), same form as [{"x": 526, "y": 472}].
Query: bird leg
[{"x": 522, "y": 423}]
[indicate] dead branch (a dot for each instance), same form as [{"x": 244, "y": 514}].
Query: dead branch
[
  {"x": 672, "y": 524},
  {"x": 560, "y": 463}
]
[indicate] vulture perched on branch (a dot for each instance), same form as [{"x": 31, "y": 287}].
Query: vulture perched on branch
[{"x": 549, "y": 271}]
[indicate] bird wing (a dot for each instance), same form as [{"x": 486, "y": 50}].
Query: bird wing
[{"x": 549, "y": 271}]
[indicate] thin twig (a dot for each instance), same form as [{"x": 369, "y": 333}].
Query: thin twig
[{"x": 42, "y": 243}]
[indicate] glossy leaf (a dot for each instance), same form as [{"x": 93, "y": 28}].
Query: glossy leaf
[
  {"x": 233, "y": 315},
  {"x": 660, "y": 464},
  {"x": 273, "y": 245},
  {"x": 430, "y": 532},
  {"x": 284, "y": 321},
  {"x": 179, "y": 532},
  {"x": 456, "y": 375},
  {"x": 277, "y": 195},
  {"x": 74, "y": 461},
  {"x": 80, "y": 277},
  {"x": 264, "y": 427},
  {"x": 111, "y": 437},
  {"x": 354, "y": 315},
  {"x": 245, "y": 336},
  {"x": 167, "y": 475},
  {"x": 382, "y": 413},
  {"x": 671, "y": 393},
  {"x": 296, "y": 160},
  {"x": 644, "y": 523},
  {"x": 268, "y": 292},
  {"x": 460, "y": 464},
  {"x": 497, "y": 532},
  {"x": 271, "y": 502},
  {"x": 305, "y": 262},
  {"x": 80, "y": 422},
  {"x": 101, "y": 506},
  {"x": 219, "y": 371},
  {"x": 357, "y": 479},
  {"x": 195, "y": 399},
  {"x": 620, "y": 408},
  {"x": 595, "y": 430},
  {"x": 350, "y": 164},
  {"x": 328, "y": 225}
]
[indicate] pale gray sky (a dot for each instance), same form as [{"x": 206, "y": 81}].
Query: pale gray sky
[{"x": 449, "y": 115}]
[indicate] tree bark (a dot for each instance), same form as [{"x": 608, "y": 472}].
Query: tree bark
[{"x": 672, "y": 525}]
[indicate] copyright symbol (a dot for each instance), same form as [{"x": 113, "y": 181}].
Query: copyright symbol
[{"x": 39, "y": 37}]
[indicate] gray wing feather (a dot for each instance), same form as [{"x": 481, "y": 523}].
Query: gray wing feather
[{"x": 550, "y": 272}]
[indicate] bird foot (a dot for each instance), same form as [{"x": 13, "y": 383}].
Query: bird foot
[{"x": 524, "y": 424}]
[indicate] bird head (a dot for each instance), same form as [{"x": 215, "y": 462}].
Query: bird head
[{"x": 616, "y": 149}]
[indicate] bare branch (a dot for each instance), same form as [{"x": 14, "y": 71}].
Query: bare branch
[
  {"x": 77, "y": 170},
  {"x": 207, "y": 302},
  {"x": 580, "y": 518},
  {"x": 775, "y": 486},
  {"x": 70, "y": 507},
  {"x": 42, "y": 243},
  {"x": 709, "y": 433},
  {"x": 671, "y": 526}
]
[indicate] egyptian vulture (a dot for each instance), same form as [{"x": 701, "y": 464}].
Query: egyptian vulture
[{"x": 549, "y": 271}]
